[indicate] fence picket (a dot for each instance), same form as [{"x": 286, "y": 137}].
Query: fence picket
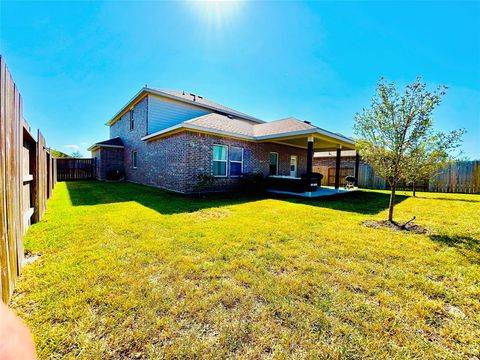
[
  {"x": 23, "y": 178},
  {"x": 75, "y": 169}
]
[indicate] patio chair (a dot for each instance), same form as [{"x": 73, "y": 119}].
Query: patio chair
[{"x": 350, "y": 181}]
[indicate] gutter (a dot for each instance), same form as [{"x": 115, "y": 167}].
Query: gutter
[
  {"x": 102, "y": 145},
  {"x": 307, "y": 132}
]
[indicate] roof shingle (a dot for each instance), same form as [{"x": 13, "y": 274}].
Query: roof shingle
[
  {"x": 281, "y": 126},
  {"x": 223, "y": 123}
]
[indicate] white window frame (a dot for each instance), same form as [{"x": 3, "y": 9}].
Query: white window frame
[
  {"x": 134, "y": 159},
  {"x": 132, "y": 120},
  {"x": 235, "y": 161},
  {"x": 276, "y": 172},
  {"x": 225, "y": 161}
]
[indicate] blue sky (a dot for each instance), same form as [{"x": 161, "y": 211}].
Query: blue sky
[{"x": 77, "y": 63}]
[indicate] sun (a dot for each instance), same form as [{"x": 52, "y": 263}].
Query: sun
[{"x": 216, "y": 13}]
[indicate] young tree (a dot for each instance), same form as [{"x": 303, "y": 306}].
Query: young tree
[
  {"x": 58, "y": 154},
  {"x": 394, "y": 129},
  {"x": 77, "y": 154}
]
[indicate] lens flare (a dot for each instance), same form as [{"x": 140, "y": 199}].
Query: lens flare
[{"x": 216, "y": 13}]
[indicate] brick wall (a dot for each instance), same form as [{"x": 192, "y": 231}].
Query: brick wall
[
  {"x": 346, "y": 161},
  {"x": 323, "y": 164},
  {"x": 98, "y": 163},
  {"x": 112, "y": 159},
  {"x": 175, "y": 162},
  {"x": 159, "y": 163},
  {"x": 256, "y": 159},
  {"x": 107, "y": 159}
]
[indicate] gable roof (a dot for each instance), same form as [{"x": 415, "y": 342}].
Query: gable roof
[
  {"x": 223, "y": 123},
  {"x": 226, "y": 126},
  {"x": 201, "y": 101},
  {"x": 113, "y": 143},
  {"x": 184, "y": 97},
  {"x": 282, "y": 126}
]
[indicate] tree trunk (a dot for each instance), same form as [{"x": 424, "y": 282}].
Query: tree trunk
[
  {"x": 392, "y": 203},
  {"x": 413, "y": 188}
]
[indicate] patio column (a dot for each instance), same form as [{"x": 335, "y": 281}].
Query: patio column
[
  {"x": 337, "y": 166},
  {"x": 357, "y": 163},
  {"x": 310, "y": 157}
]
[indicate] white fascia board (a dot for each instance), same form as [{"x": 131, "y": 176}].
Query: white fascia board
[
  {"x": 336, "y": 136},
  {"x": 101, "y": 145},
  {"x": 108, "y": 123},
  {"x": 164, "y": 131},
  {"x": 307, "y": 132}
]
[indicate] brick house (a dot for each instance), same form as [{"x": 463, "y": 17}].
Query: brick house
[
  {"x": 168, "y": 139},
  {"x": 325, "y": 163}
]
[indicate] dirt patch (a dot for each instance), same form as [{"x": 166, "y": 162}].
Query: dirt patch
[
  {"x": 203, "y": 215},
  {"x": 410, "y": 227}
]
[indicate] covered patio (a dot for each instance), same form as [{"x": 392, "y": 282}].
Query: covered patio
[{"x": 314, "y": 140}]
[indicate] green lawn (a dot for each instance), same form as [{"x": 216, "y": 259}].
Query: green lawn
[{"x": 128, "y": 271}]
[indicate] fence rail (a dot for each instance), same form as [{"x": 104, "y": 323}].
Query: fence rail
[
  {"x": 457, "y": 177},
  {"x": 75, "y": 169},
  {"x": 26, "y": 180}
]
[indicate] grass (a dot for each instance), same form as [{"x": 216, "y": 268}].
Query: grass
[{"x": 128, "y": 271}]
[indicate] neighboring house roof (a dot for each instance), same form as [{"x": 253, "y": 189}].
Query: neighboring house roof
[
  {"x": 112, "y": 143},
  {"x": 332, "y": 154},
  {"x": 185, "y": 97},
  {"x": 224, "y": 125}
]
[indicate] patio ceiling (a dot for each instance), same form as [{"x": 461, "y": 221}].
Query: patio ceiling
[{"x": 320, "y": 142}]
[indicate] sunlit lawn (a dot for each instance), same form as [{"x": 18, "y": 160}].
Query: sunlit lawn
[{"x": 128, "y": 271}]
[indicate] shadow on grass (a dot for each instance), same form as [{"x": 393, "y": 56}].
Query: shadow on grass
[
  {"x": 362, "y": 202},
  {"x": 466, "y": 245},
  {"x": 91, "y": 192},
  {"x": 457, "y": 241},
  {"x": 96, "y": 192},
  {"x": 449, "y": 199}
]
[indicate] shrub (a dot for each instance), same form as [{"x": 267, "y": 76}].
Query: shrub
[
  {"x": 253, "y": 182},
  {"x": 204, "y": 182},
  {"x": 115, "y": 175}
]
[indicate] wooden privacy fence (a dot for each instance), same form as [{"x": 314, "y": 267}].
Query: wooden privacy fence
[
  {"x": 26, "y": 180},
  {"x": 457, "y": 177},
  {"x": 75, "y": 169}
]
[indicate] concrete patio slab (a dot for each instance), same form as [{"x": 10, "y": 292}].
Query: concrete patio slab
[{"x": 322, "y": 191}]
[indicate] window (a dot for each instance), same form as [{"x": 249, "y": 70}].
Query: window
[
  {"x": 236, "y": 161},
  {"x": 132, "y": 121},
  {"x": 134, "y": 159},
  {"x": 220, "y": 160},
  {"x": 273, "y": 170}
]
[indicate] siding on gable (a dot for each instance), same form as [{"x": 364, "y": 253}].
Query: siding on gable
[{"x": 164, "y": 113}]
